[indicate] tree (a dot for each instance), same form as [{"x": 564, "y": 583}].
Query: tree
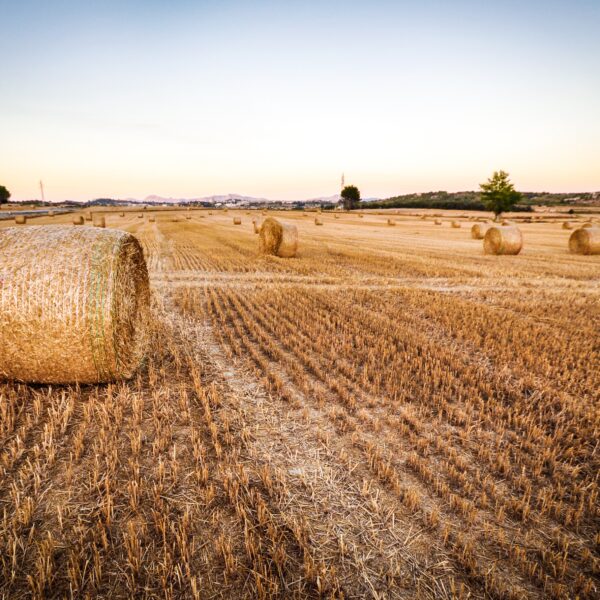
[
  {"x": 350, "y": 197},
  {"x": 4, "y": 195},
  {"x": 498, "y": 194}
]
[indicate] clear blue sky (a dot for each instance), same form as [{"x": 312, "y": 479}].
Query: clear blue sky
[{"x": 276, "y": 99}]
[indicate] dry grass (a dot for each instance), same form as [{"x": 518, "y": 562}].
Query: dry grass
[{"x": 390, "y": 414}]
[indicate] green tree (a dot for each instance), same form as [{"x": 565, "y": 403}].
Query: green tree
[
  {"x": 4, "y": 195},
  {"x": 350, "y": 197},
  {"x": 498, "y": 194}
]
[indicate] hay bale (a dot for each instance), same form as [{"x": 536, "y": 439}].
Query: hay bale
[
  {"x": 122, "y": 214},
  {"x": 78, "y": 220},
  {"x": 210, "y": 213},
  {"x": 237, "y": 220},
  {"x": 318, "y": 221},
  {"x": 391, "y": 222},
  {"x": 151, "y": 219},
  {"x": 587, "y": 224},
  {"x": 478, "y": 230},
  {"x": 51, "y": 214},
  {"x": 585, "y": 240},
  {"x": 503, "y": 239},
  {"x": 140, "y": 216},
  {"x": 188, "y": 217},
  {"x": 361, "y": 216},
  {"x": 278, "y": 239},
  {"x": 88, "y": 216},
  {"x": 256, "y": 227},
  {"x": 437, "y": 222},
  {"x": 336, "y": 216},
  {"x": 175, "y": 220},
  {"x": 99, "y": 221},
  {"x": 73, "y": 304},
  {"x": 455, "y": 225},
  {"x": 567, "y": 225},
  {"x": 20, "y": 219}
]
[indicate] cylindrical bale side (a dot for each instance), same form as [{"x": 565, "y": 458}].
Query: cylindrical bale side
[
  {"x": 278, "y": 239},
  {"x": 501, "y": 240},
  {"x": 74, "y": 304},
  {"x": 78, "y": 220},
  {"x": 237, "y": 221},
  {"x": 20, "y": 219},
  {"x": 585, "y": 240},
  {"x": 478, "y": 230},
  {"x": 99, "y": 221},
  {"x": 256, "y": 226}
]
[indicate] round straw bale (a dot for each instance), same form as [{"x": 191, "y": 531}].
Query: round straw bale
[
  {"x": 88, "y": 216},
  {"x": 122, "y": 214},
  {"x": 318, "y": 221},
  {"x": 438, "y": 222},
  {"x": 20, "y": 219},
  {"x": 51, "y": 213},
  {"x": 455, "y": 224},
  {"x": 78, "y": 220},
  {"x": 99, "y": 221},
  {"x": 478, "y": 230},
  {"x": 151, "y": 219},
  {"x": 585, "y": 240},
  {"x": 587, "y": 224},
  {"x": 256, "y": 227},
  {"x": 237, "y": 221},
  {"x": 188, "y": 217},
  {"x": 210, "y": 213},
  {"x": 336, "y": 216},
  {"x": 567, "y": 225},
  {"x": 391, "y": 222},
  {"x": 502, "y": 239},
  {"x": 140, "y": 216},
  {"x": 361, "y": 216},
  {"x": 73, "y": 304},
  {"x": 278, "y": 239}
]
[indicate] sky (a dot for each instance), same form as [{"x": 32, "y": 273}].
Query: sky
[{"x": 278, "y": 98}]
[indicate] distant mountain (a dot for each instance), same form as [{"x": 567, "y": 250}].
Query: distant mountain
[{"x": 227, "y": 199}]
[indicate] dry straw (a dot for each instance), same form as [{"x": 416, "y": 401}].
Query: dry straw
[
  {"x": 99, "y": 221},
  {"x": 438, "y": 222},
  {"x": 336, "y": 216},
  {"x": 88, "y": 216},
  {"x": 567, "y": 225},
  {"x": 256, "y": 227},
  {"x": 78, "y": 220},
  {"x": 278, "y": 239},
  {"x": 122, "y": 214},
  {"x": 51, "y": 214},
  {"x": 20, "y": 219},
  {"x": 585, "y": 240},
  {"x": 455, "y": 225},
  {"x": 73, "y": 304},
  {"x": 237, "y": 221},
  {"x": 188, "y": 217},
  {"x": 503, "y": 239},
  {"x": 151, "y": 219},
  {"x": 587, "y": 224},
  {"x": 318, "y": 221},
  {"x": 391, "y": 222},
  {"x": 478, "y": 230}
]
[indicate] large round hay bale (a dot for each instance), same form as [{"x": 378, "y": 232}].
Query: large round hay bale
[
  {"x": 585, "y": 240},
  {"x": 278, "y": 239},
  {"x": 503, "y": 239},
  {"x": 78, "y": 220},
  {"x": 237, "y": 221},
  {"x": 455, "y": 224},
  {"x": 20, "y": 219},
  {"x": 73, "y": 304},
  {"x": 567, "y": 225},
  {"x": 99, "y": 221},
  {"x": 478, "y": 230}
]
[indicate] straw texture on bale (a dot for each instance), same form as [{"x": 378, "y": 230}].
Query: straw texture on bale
[
  {"x": 567, "y": 225},
  {"x": 478, "y": 230},
  {"x": 99, "y": 221},
  {"x": 20, "y": 219},
  {"x": 503, "y": 239},
  {"x": 455, "y": 225},
  {"x": 278, "y": 239},
  {"x": 78, "y": 220},
  {"x": 237, "y": 221},
  {"x": 585, "y": 240},
  {"x": 587, "y": 225},
  {"x": 73, "y": 304}
]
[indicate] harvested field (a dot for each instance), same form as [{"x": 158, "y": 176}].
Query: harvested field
[{"x": 390, "y": 414}]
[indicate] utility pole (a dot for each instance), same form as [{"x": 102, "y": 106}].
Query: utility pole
[
  {"x": 42, "y": 190},
  {"x": 343, "y": 181}
]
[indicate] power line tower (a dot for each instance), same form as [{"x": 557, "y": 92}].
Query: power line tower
[
  {"x": 343, "y": 181},
  {"x": 42, "y": 190}
]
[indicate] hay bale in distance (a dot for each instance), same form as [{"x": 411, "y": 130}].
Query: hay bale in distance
[
  {"x": 188, "y": 217},
  {"x": 256, "y": 227},
  {"x": 336, "y": 216},
  {"x": 20, "y": 219},
  {"x": 455, "y": 225},
  {"x": 78, "y": 220},
  {"x": 567, "y": 225},
  {"x": 437, "y": 222},
  {"x": 318, "y": 221},
  {"x": 237, "y": 220},
  {"x": 51, "y": 214},
  {"x": 73, "y": 304},
  {"x": 122, "y": 214},
  {"x": 278, "y": 239},
  {"x": 151, "y": 219},
  {"x": 503, "y": 240},
  {"x": 99, "y": 221},
  {"x": 478, "y": 230},
  {"x": 587, "y": 224},
  {"x": 585, "y": 240},
  {"x": 391, "y": 222}
]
